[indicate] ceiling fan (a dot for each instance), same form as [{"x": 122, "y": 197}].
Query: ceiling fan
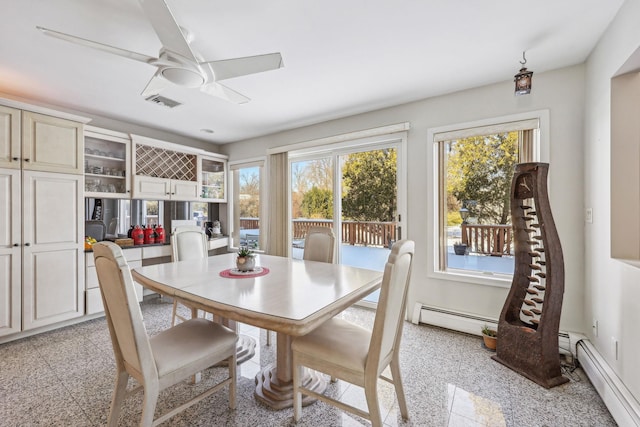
[{"x": 177, "y": 63}]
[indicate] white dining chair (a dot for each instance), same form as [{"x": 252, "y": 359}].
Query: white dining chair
[
  {"x": 358, "y": 355},
  {"x": 187, "y": 242},
  {"x": 162, "y": 360},
  {"x": 319, "y": 245}
]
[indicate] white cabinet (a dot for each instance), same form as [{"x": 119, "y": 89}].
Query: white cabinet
[
  {"x": 53, "y": 247},
  {"x": 41, "y": 212},
  {"x": 10, "y": 252},
  {"x": 33, "y": 141},
  {"x": 106, "y": 163},
  {"x": 166, "y": 171},
  {"x": 51, "y": 144},
  {"x": 10, "y": 140},
  {"x": 213, "y": 179},
  {"x": 147, "y": 187}
]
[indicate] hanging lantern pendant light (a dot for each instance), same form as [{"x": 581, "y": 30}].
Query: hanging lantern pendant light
[{"x": 523, "y": 79}]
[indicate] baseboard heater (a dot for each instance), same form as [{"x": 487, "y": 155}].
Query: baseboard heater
[
  {"x": 468, "y": 323},
  {"x": 624, "y": 408}
]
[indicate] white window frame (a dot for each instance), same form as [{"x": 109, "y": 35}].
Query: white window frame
[
  {"x": 346, "y": 146},
  {"x": 543, "y": 150},
  {"x": 264, "y": 220}
]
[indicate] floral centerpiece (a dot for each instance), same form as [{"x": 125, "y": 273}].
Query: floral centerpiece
[{"x": 246, "y": 259}]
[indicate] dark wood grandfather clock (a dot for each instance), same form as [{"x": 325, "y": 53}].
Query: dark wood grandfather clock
[{"x": 530, "y": 318}]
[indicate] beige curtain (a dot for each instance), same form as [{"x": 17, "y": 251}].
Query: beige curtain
[
  {"x": 525, "y": 148},
  {"x": 278, "y": 231}
]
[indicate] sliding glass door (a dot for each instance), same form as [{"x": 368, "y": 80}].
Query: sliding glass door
[{"x": 354, "y": 191}]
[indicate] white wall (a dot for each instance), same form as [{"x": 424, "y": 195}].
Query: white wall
[
  {"x": 561, "y": 92},
  {"x": 612, "y": 287}
]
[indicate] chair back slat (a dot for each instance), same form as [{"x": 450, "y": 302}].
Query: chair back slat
[{"x": 387, "y": 328}]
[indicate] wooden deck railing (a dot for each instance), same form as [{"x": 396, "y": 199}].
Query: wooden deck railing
[
  {"x": 249, "y": 223},
  {"x": 363, "y": 233},
  {"x": 494, "y": 239}
]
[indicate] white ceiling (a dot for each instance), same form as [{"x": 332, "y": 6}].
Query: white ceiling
[{"x": 340, "y": 57}]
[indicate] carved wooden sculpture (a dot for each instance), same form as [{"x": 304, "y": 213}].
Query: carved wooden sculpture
[{"x": 530, "y": 318}]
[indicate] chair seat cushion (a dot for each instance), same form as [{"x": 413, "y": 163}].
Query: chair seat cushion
[
  {"x": 191, "y": 342},
  {"x": 338, "y": 342}
]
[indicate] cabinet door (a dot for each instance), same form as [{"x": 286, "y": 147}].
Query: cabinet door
[
  {"x": 213, "y": 180},
  {"x": 107, "y": 164},
  {"x": 147, "y": 187},
  {"x": 9, "y": 138},
  {"x": 53, "y": 248},
  {"x": 184, "y": 190},
  {"x": 51, "y": 144},
  {"x": 10, "y": 255}
]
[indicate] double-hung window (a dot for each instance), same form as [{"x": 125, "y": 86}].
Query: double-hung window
[{"x": 475, "y": 166}]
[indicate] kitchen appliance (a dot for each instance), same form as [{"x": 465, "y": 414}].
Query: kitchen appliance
[{"x": 96, "y": 229}]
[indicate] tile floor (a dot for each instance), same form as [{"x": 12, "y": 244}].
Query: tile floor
[{"x": 65, "y": 378}]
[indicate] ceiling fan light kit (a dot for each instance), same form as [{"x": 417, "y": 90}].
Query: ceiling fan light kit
[{"x": 177, "y": 63}]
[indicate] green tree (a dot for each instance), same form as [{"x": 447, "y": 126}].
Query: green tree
[
  {"x": 481, "y": 168},
  {"x": 250, "y": 194},
  {"x": 369, "y": 186},
  {"x": 317, "y": 203}
]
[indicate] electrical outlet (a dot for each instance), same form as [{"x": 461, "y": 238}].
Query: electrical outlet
[
  {"x": 594, "y": 327},
  {"x": 588, "y": 215}
]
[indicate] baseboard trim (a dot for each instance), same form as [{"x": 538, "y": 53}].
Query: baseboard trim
[{"x": 624, "y": 408}]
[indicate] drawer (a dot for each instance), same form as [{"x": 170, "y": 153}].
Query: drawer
[
  {"x": 94, "y": 301},
  {"x": 218, "y": 243},
  {"x": 91, "y": 277},
  {"x": 156, "y": 251},
  {"x": 132, "y": 254}
]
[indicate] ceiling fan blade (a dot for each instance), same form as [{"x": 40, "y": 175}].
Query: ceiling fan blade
[
  {"x": 166, "y": 27},
  {"x": 221, "y": 91},
  {"x": 156, "y": 85},
  {"x": 229, "y": 68},
  {"x": 106, "y": 48}
]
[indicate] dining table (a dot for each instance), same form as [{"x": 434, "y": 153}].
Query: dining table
[{"x": 291, "y": 297}]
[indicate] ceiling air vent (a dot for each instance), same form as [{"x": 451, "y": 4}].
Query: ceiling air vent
[{"x": 161, "y": 100}]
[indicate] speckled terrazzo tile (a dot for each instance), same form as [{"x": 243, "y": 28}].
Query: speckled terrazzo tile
[
  {"x": 76, "y": 366},
  {"x": 534, "y": 405},
  {"x": 23, "y": 371},
  {"x": 456, "y": 420},
  {"x": 484, "y": 411},
  {"x": 46, "y": 405}
]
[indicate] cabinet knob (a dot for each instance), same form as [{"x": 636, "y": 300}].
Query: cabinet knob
[
  {"x": 26, "y": 160},
  {"x": 16, "y": 158},
  {"x": 16, "y": 244},
  {"x": 27, "y": 244}
]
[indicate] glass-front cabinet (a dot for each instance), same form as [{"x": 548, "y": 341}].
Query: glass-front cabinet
[
  {"x": 213, "y": 179},
  {"x": 106, "y": 163}
]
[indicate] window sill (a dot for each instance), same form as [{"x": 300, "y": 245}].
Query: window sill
[{"x": 476, "y": 278}]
